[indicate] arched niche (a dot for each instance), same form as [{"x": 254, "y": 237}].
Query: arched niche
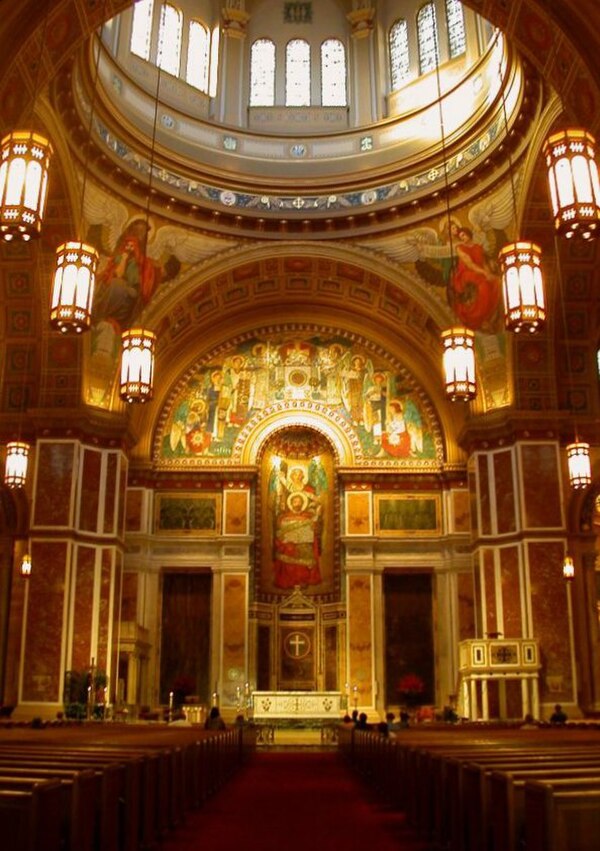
[{"x": 367, "y": 403}]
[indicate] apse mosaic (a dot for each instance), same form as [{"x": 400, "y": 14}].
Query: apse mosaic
[{"x": 377, "y": 403}]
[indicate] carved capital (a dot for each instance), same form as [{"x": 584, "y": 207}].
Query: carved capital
[
  {"x": 361, "y": 21},
  {"x": 235, "y": 22}
]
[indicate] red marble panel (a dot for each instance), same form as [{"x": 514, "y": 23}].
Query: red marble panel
[
  {"x": 15, "y": 631},
  {"x": 111, "y": 497},
  {"x": 55, "y": 463},
  {"x": 121, "y": 497},
  {"x": 133, "y": 510},
  {"x": 466, "y": 606},
  {"x": 473, "y": 503},
  {"x": 104, "y": 606},
  {"x": 114, "y": 662},
  {"x": 541, "y": 486},
  {"x": 83, "y": 608},
  {"x": 129, "y": 597},
  {"x": 550, "y": 619},
  {"x": 505, "y": 492},
  {"x": 460, "y": 503},
  {"x": 511, "y": 592},
  {"x": 484, "y": 495},
  {"x": 90, "y": 490},
  {"x": 478, "y": 600},
  {"x": 45, "y": 622},
  {"x": 489, "y": 576}
]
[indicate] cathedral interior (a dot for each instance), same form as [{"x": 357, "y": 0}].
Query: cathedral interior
[{"x": 298, "y": 201}]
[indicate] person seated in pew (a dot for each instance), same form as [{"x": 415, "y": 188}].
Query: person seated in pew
[
  {"x": 559, "y": 716},
  {"x": 179, "y": 719},
  {"x": 529, "y": 722},
  {"x": 214, "y": 720},
  {"x": 392, "y": 724},
  {"x": 361, "y": 723}
]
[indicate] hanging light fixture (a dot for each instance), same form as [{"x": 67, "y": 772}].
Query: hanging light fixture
[
  {"x": 520, "y": 261},
  {"x": 26, "y": 566},
  {"x": 24, "y": 163},
  {"x": 15, "y": 471},
  {"x": 568, "y": 569},
  {"x": 578, "y": 461},
  {"x": 76, "y": 261},
  {"x": 573, "y": 181},
  {"x": 137, "y": 365},
  {"x": 138, "y": 344},
  {"x": 459, "y": 364}
]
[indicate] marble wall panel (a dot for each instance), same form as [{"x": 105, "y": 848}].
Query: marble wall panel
[
  {"x": 466, "y": 606},
  {"x": 360, "y": 631},
  {"x": 104, "y": 611},
  {"x": 116, "y": 617},
  {"x": 129, "y": 597},
  {"x": 550, "y": 619},
  {"x": 45, "y": 623},
  {"x": 489, "y": 585},
  {"x": 83, "y": 605},
  {"x": 133, "y": 510},
  {"x": 541, "y": 486},
  {"x": 505, "y": 492},
  {"x": 15, "y": 630},
  {"x": 90, "y": 490},
  {"x": 511, "y": 592},
  {"x": 235, "y": 512},
  {"x": 234, "y": 663},
  {"x": 54, "y": 483},
  {"x": 121, "y": 497},
  {"x": 460, "y": 511},
  {"x": 484, "y": 495},
  {"x": 111, "y": 497}
]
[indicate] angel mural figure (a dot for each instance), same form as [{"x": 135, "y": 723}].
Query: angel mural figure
[
  {"x": 474, "y": 287},
  {"x": 297, "y": 523}
]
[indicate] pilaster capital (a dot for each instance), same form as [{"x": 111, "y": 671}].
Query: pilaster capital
[
  {"x": 361, "y": 20},
  {"x": 235, "y": 20}
]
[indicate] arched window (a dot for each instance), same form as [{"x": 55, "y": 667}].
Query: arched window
[
  {"x": 214, "y": 62},
  {"x": 333, "y": 73},
  {"x": 427, "y": 38},
  {"x": 399, "y": 59},
  {"x": 297, "y": 73},
  {"x": 141, "y": 28},
  {"x": 262, "y": 73},
  {"x": 169, "y": 39},
  {"x": 196, "y": 73},
  {"x": 456, "y": 28}
]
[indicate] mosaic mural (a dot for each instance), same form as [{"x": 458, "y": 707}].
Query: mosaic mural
[{"x": 380, "y": 405}]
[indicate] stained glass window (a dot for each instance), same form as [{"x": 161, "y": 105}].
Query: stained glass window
[
  {"x": 427, "y": 38},
  {"x": 141, "y": 28},
  {"x": 262, "y": 73},
  {"x": 197, "y": 58},
  {"x": 456, "y": 28},
  {"x": 169, "y": 39},
  {"x": 297, "y": 73},
  {"x": 399, "y": 59},
  {"x": 333, "y": 73}
]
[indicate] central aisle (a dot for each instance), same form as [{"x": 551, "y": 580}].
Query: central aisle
[{"x": 288, "y": 800}]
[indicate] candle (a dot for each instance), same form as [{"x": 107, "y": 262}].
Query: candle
[{"x": 170, "y": 700}]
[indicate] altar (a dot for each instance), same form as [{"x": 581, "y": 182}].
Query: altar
[{"x": 296, "y": 705}]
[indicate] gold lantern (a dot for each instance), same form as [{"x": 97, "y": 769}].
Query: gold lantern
[
  {"x": 459, "y": 364},
  {"x": 568, "y": 568},
  {"x": 522, "y": 286},
  {"x": 15, "y": 471},
  {"x": 24, "y": 163},
  {"x": 26, "y": 566},
  {"x": 137, "y": 365},
  {"x": 578, "y": 460},
  {"x": 73, "y": 290},
  {"x": 573, "y": 182}
]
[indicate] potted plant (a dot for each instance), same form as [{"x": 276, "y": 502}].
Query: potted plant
[{"x": 411, "y": 688}]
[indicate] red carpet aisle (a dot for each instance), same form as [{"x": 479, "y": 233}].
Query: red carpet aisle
[{"x": 291, "y": 801}]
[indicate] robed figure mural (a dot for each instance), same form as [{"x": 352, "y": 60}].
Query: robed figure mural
[{"x": 297, "y": 514}]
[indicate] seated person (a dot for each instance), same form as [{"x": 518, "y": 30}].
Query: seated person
[
  {"x": 558, "y": 716},
  {"x": 214, "y": 720}
]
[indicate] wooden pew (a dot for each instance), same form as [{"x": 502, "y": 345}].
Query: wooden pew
[
  {"x": 507, "y": 799},
  {"x": 30, "y": 815},
  {"x": 562, "y": 816},
  {"x": 78, "y": 800}
]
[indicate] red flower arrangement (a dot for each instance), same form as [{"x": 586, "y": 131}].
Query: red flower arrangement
[{"x": 411, "y": 685}]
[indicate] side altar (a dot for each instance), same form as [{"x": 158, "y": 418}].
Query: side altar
[{"x": 292, "y": 705}]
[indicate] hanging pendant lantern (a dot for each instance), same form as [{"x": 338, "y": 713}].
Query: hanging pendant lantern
[
  {"x": 15, "y": 471},
  {"x": 137, "y": 365},
  {"x": 578, "y": 460},
  {"x": 24, "y": 163},
  {"x": 573, "y": 182},
  {"x": 26, "y": 566},
  {"x": 568, "y": 569},
  {"x": 73, "y": 291},
  {"x": 459, "y": 364},
  {"x": 522, "y": 286}
]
